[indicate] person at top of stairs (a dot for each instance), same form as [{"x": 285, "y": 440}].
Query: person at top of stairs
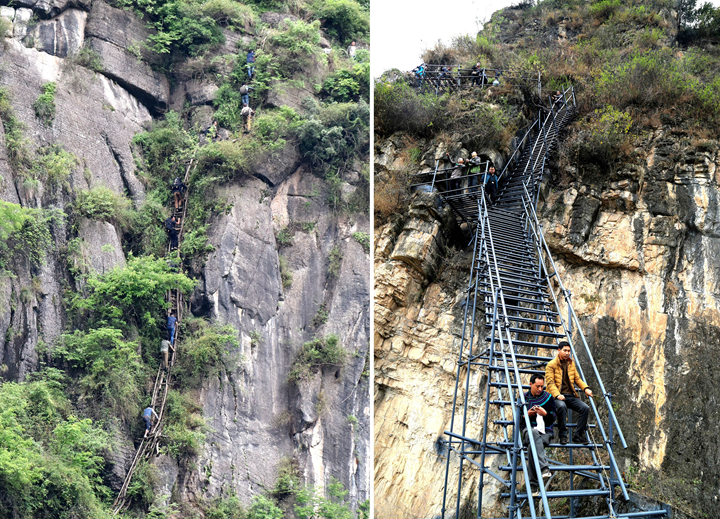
[
  {"x": 562, "y": 377},
  {"x": 540, "y": 405}
]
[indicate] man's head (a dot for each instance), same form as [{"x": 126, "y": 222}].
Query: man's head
[
  {"x": 461, "y": 160},
  {"x": 491, "y": 169},
  {"x": 564, "y": 351},
  {"x": 537, "y": 382},
  {"x": 474, "y": 154},
  {"x": 353, "y": 43},
  {"x": 172, "y": 312}
]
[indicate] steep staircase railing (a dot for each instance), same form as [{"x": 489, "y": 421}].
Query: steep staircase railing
[
  {"x": 512, "y": 319},
  {"x": 150, "y": 444}
]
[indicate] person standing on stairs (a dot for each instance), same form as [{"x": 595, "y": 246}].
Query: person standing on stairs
[
  {"x": 491, "y": 184},
  {"x": 170, "y": 227},
  {"x": 171, "y": 324},
  {"x": 147, "y": 418},
  {"x": 456, "y": 175},
  {"x": 474, "y": 174},
  {"x": 541, "y": 408},
  {"x": 562, "y": 377},
  {"x": 165, "y": 347}
]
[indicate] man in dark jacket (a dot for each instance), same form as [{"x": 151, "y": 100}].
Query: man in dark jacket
[
  {"x": 250, "y": 61},
  {"x": 562, "y": 377},
  {"x": 541, "y": 408},
  {"x": 172, "y": 232}
]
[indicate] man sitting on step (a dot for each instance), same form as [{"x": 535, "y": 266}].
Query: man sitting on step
[
  {"x": 562, "y": 377},
  {"x": 541, "y": 408}
]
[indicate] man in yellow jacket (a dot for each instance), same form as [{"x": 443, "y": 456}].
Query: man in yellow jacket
[{"x": 561, "y": 378}]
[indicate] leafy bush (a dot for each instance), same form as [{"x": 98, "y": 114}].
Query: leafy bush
[
  {"x": 23, "y": 231},
  {"x": 131, "y": 296},
  {"x": 314, "y": 355},
  {"x": 263, "y": 508},
  {"x": 165, "y": 148},
  {"x": 296, "y": 47},
  {"x": 398, "y": 107},
  {"x": 334, "y": 261},
  {"x": 363, "y": 239},
  {"x": 54, "y": 165},
  {"x": 311, "y": 505},
  {"x": 14, "y": 140},
  {"x": 88, "y": 58},
  {"x": 228, "y": 13},
  {"x": 185, "y": 428},
  {"x": 226, "y": 159},
  {"x": 50, "y": 461},
  {"x": 101, "y": 203},
  {"x": 344, "y": 20},
  {"x": 205, "y": 347},
  {"x": 347, "y": 85},
  {"x": 603, "y": 9},
  {"x": 286, "y": 276},
  {"x": 113, "y": 368},
  {"x": 45, "y": 105},
  {"x": 224, "y": 508}
]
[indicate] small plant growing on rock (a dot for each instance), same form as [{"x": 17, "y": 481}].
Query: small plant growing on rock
[
  {"x": 363, "y": 239},
  {"x": 321, "y": 316},
  {"x": 285, "y": 274},
  {"x": 45, "y": 105},
  {"x": 314, "y": 354},
  {"x": 255, "y": 338},
  {"x": 88, "y": 58},
  {"x": 335, "y": 258}
]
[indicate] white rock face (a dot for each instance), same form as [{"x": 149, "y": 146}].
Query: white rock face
[
  {"x": 20, "y": 22},
  {"x": 62, "y": 36}
]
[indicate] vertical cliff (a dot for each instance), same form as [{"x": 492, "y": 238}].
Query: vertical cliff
[{"x": 276, "y": 246}]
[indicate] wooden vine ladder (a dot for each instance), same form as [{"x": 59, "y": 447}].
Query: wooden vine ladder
[{"x": 149, "y": 444}]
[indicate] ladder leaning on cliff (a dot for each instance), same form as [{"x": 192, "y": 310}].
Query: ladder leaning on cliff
[
  {"x": 150, "y": 444},
  {"x": 513, "y": 314}
]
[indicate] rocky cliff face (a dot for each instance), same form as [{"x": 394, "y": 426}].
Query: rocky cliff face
[
  {"x": 256, "y": 417},
  {"x": 635, "y": 249}
]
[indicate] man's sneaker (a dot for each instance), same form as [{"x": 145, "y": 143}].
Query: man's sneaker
[
  {"x": 546, "y": 474},
  {"x": 581, "y": 441},
  {"x": 563, "y": 439}
]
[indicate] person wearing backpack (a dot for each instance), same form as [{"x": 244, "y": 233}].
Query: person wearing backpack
[
  {"x": 245, "y": 93},
  {"x": 170, "y": 224},
  {"x": 178, "y": 188}
]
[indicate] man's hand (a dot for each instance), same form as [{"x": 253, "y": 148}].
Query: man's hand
[
  {"x": 588, "y": 392},
  {"x": 541, "y": 411},
  {"x": 532, "y": 411},
  {"x": 560, "y": 397}
]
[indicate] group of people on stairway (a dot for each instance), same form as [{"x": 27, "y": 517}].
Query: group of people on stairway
[
  {"x": 475, "y": 76},
  {"x": 465, "y": 176},
  {"x": 550, "y": 407}
]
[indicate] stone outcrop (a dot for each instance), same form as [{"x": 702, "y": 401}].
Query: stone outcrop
[
  {"x": 62, "y": 36},
  {"x": 50, "y": 8},
  {"x": 117, "y": 36}
]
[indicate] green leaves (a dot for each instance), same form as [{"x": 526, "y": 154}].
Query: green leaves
[
  {"x": 314, "y": 354},
  {"x": 44, "y": 106}
]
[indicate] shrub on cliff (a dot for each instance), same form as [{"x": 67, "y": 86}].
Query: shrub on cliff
[
  {"x": 45, "y": 105},
  {"x": 101, "y": 203},
  {"x": 399, "y": 107},
  {"x": 24, "y": 231},
  {"x": 345, "y": 20},
  {"x": 314, "y": 355}
]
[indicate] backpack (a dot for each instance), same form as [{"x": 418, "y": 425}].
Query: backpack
[
  {"x": 169, "y": 225},
  {"x": 244, "y": 89}
]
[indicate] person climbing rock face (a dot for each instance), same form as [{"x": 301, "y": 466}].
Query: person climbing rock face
[
  {"x": 177, "y": 188},
  {"x": 165, "y": 347},
  {"x": 171, "y": 324},
  {"x": 351, "y": 50},
  {"x": 148, "y": 413},
  {"x": 245, "y": 93},
  {"x": 247, "y": 114},
  {"x": 170, "y": 225},
  {"x": 250, "y": 61},
  {"x": 562, "y": 377}
]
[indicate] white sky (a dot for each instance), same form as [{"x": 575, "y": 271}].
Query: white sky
[{"x": 402, "y": 29}]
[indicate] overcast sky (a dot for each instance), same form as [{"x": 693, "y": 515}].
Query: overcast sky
[{"x": 403, "y": 29}]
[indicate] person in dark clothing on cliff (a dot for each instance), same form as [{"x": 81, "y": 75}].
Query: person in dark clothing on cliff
[
  {"x": 178, "y": 188},
  {"x": 147, "y": 418},
  {"x": 250, "y": 61},
  {"x": 562, "y": 377},
  {"x": 541, "y": 408},
  {"x": 171, "y": 324},
  {"x": 491, "y": 183},
  {"x": 170, "y": 224}
]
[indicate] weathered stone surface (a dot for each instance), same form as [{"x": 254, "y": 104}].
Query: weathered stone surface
[
  {"x": 62, "y": 36},
  {"x": 101, "y": 245},
  {"x": 20, "y": 22},
  {"x": 275, "y": 19},
  {"x": 150, "y": 87},
  {"x": 200, "y": 92},
  {"x": 50, "y": 8},
  {"x": 276, "y": 166},
  {"x": 281, "y": 94}
]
